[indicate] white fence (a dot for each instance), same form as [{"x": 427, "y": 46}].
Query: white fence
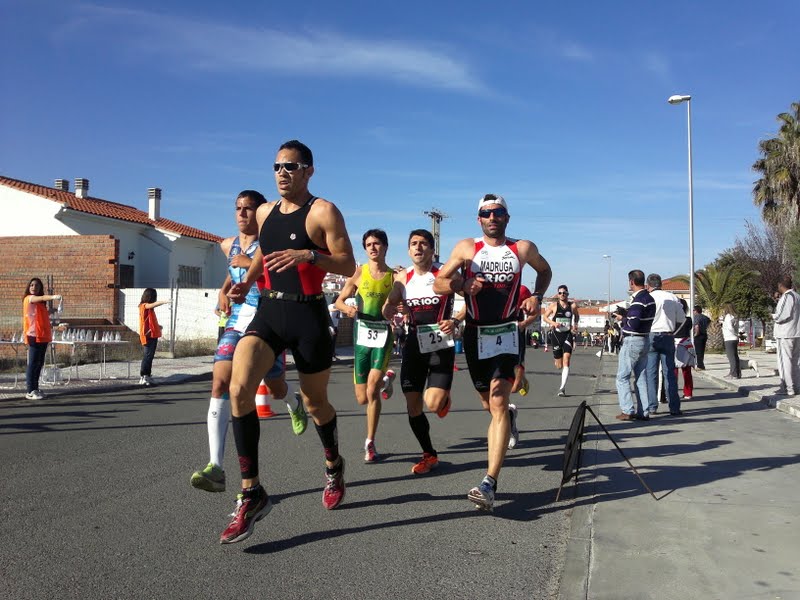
[{"x": 190, "y": 315}]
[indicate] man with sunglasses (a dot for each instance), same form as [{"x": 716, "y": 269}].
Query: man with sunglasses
[
  {"x": 562, "y": 316},
  {"x": 239, "y": 250},
  {"x": 301, "y": 239},
  {"x": 490, "y": 279}
]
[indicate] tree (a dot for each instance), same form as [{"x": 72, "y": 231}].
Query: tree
[
  {"x": 777, "y": 192},
  {"x": 715, "y": 286}
]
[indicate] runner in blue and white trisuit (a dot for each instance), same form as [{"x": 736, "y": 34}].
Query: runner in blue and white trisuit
[
  {"x": 492, "y": 269},
  {"x": 239, "y": 250}
]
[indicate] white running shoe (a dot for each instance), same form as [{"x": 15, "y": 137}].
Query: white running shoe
[
  {"x": 388, "y": 389},
  {"x": 482, "y": 496},
  {"x": 513, "y": 439},
  {"x": 562, "y": 392}
]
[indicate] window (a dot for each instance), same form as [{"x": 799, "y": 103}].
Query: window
[
  {"x": 190, "y": 277},
  {"x": 126, "y": 276}
]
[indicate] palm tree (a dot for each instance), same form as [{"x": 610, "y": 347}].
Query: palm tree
[
  {"x": 714, "y": 288},
  {"x": 777, "y": 192}
]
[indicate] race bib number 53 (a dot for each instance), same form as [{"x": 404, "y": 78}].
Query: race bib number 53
[
  {"x": 372, "y": 334},
  {"x": 498, "y": 339}
]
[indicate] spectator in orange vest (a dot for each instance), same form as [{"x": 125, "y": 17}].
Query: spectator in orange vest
[
  {"x": 149, "y": 332},
  {"x": 37, "y": 333}
]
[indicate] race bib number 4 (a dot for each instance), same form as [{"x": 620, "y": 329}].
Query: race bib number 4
[
  {"x": 371, "y": 334},
  {"x": 431, "y": 338},
  {"x": 497, "y": 339}
]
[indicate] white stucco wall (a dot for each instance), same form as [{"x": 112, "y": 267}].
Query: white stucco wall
[{"x": 28, "y": 214}]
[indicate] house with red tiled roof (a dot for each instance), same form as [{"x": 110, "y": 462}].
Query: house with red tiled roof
[
  {"x": 153, "y": 250},
  {"x": 680, "y": 289}
]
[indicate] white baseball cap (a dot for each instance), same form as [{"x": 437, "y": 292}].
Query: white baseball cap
[{"x": 492, "y": 199}]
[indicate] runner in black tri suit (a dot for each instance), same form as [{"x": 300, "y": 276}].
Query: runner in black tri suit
[
  {"x": 492, "y": 266},
  {"x": 429, "y": 352},
  {"x": 301, "y": 239},
  {"x": 562, "y": 316}
]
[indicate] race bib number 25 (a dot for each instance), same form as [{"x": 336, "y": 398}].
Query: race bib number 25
[{"x": 431, "y": 338}]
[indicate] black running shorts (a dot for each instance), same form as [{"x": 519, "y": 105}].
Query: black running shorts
[
  {"x": 301, "y": 327},
  {"x": 562, "y": 343},
  {"x": 482, "y": 371},
  {"x": 435, "y": 367}
]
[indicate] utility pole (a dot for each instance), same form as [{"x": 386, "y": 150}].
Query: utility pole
[{"x": 437, "y": 216}]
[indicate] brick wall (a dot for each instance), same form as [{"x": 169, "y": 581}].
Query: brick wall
[{"x": 84, "y": 271}]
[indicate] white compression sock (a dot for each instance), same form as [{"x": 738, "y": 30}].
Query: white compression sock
[
  {"x": 219, "y": 413},
  {"x": 564, "y": 375},
  {"x": 289, "y": 398}
]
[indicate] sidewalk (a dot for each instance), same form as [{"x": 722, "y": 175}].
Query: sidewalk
[
  {"x": 166, "y": 371},
  {"x": 758, "y": 388},
  {"x": 726, "y": 476}
]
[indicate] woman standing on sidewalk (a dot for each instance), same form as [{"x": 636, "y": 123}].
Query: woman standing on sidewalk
[
  {"x": 731, "y": 337},
  {"x": 685, "y": 358},
  {"x": 37, "y": 333},
  {"x": 149, "y": 332}
]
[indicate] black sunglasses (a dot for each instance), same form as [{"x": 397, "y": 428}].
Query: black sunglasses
[
  {"x": 485, "y": 213},
  {"x": 289, "y": 166},
  {"x": 565, "y": 292}
]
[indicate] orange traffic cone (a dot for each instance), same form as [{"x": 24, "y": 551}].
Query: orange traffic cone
[{"x": 263, "y": 409}]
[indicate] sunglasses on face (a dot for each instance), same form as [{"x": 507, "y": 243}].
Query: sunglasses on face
[
  {"x": 563, "y": 293},
  {"x": 485, "y": 213},
  {"x": 288, "y": 166}
]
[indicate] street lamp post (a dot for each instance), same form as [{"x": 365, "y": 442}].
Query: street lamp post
[
  {"x": 678, "y": 99},
  {"x": 608, "y": 256}
]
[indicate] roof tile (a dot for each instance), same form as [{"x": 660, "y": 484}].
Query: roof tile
[{"x": 106, "y": 208}]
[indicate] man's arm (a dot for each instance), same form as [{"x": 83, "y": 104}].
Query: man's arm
[
  {"x": 548, "y": 315},
  {"x": 348, "y": 290},
  {"x": 395, "y": 296},
  {"x": 783, "y": 312},
  {"x": 449, "y": 281},
  {"x": 529, "y": 254},
  {"x": 575, "y": 318}
]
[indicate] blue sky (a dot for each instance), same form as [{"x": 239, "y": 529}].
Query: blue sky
[{"x": 414, "y": 105}]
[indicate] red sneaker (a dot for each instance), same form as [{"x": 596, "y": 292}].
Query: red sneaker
[
  {"x": 442, "y": 412},
  {"x": 371, "y": 454},
  {"x": 333, "y": 494},
  {"x": 426, "y": 465},
  {"x": 248, "y": 511}
]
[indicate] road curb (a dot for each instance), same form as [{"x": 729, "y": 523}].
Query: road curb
[
  {"x": 789, "y": 405},
  {"x": 577, "y": 558}
]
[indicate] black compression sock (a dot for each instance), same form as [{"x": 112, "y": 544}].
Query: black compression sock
[
  {"x": 247, "y": 432},
  {"x": 421, "y": 429}
]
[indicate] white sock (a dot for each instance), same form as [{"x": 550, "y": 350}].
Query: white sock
[
  {"x": 219, "y": 413},
  {"x": 367, "y": 442},
  {"x": 564, "y": 375},
  {"x": 291, "y": 401}
]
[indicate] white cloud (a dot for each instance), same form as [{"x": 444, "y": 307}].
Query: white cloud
[{"x": 210, "y": 46}]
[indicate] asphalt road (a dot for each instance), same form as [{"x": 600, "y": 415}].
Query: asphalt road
[{"x": 96, "y": 501}]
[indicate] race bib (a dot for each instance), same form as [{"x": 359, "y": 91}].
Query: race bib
[
  {"x": 431, "y": 338},
  {"x": 564, "y": 323},
  {"x": 246, "y": 314},
  {"x": 498, "y": 339},
  {"x": 372, "y": 334}
]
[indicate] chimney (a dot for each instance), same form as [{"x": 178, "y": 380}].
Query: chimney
[
  {"x": 154, "y": 203},
  {"x": 62, "y": 185},
  {"x": 82, "y": 188}
]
